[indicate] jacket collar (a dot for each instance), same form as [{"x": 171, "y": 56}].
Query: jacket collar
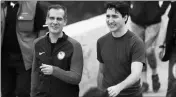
[{"x": 63, "y": 38}]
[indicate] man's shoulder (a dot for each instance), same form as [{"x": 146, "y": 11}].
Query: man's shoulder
[
  {"x": 39, "y": 39},
  {"x": 104, "y": 37},
  {"x": 74, "y": 42},
  {"x": 133, "y": 39}
]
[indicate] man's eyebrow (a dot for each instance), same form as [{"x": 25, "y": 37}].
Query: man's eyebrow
[
  {"x": 112, "y": 15},
  {"x": 117, "y": 12},
  {"x": 55, "y": 17}
]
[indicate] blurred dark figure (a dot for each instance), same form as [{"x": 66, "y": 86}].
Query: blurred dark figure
[
  {"x": 20, "y": 25},
  {"x": 95, "y": 92},
  {"x": 144, "y": 21},
  {"x": 168, "y": 46}
]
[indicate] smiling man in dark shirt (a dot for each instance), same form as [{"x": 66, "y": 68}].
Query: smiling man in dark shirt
[
  {"x": 58, "y": 62},
  {"x": 121, "y": 55}
]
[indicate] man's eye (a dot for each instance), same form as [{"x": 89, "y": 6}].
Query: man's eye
[
  {"x": 108, "y": 16},
  {"x": 51, "y": 18},
  {"x": 59, "y": 19},
  {"x": 114, "y": 16}
]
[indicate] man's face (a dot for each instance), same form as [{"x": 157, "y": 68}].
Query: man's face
[
  {"x": 55, "y": 20},
  {"x": 114, "y": 20}
]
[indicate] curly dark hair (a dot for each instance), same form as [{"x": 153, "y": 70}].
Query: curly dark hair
[{"x": 121, "y": 6}]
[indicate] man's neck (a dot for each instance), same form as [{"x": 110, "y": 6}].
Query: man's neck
[
  {"x": 54, "y": 37},
  {"x": 120, "y": 32}
]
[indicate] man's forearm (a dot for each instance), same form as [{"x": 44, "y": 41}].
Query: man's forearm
[
  {"x": 130, "y": 80},
  {"x": 99, "y": 79},
  {"x": 34, "y": 74},
  {"x": 34, "y": 83},
  {"x": 136, "y": 70},
  {"x": 71, "y": 77},
  {"x": 100, "y": 75}
]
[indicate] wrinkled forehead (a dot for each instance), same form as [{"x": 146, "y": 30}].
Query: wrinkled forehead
[{"x": 56, "y": 13}]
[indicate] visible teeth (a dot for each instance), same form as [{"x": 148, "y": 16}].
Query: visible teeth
[
  {"x": 54, "y": 27},
  {"x": 111, "y": 25}
]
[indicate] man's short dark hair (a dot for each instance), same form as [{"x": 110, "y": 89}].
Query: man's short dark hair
[
  {"x": 58, "y": 6},
  {"x": 121, "y": 6},
  {"x": 96, "y": 92}
]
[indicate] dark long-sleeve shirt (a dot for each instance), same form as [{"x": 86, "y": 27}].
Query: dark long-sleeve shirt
[{"x": 67, "y": 61}]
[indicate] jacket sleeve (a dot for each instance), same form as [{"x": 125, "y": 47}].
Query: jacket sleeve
[
  {"x": 74, "y": 75},
  {"x": 34, "y": 75}
]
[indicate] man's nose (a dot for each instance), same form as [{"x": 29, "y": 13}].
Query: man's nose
[
  {"x": 110, "y": 20},
  {"x": 55, "y": 21}
]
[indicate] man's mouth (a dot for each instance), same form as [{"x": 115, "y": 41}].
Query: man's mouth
[
  {"x": 112, "y": 25},
  {"x": 55, "y": 27}
]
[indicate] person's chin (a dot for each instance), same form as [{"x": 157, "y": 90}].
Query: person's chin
[
  {"x": 55, "y": 31},
  {"x": 112, "y": 29}
]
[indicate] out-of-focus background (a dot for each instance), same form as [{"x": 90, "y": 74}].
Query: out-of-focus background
[{"x": 86, "y": 23}]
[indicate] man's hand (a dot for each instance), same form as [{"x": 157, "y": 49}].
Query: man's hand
[
  {"x": 113, "y": 91},
  {"x": 161, "y": 52},
  {"x": 46, "y": 69}
]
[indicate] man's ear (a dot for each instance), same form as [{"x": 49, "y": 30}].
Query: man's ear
[
  {"x": 46, "y": 21},
  {"x": 65, "y": 22},
  {"x": 126, "y": 17}
]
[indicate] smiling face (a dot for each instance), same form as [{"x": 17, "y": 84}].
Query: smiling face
[
  {"x": 55, "y": 20},
  {"x": 114, "y": 20}
]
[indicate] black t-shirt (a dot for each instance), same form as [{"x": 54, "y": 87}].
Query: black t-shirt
[{"x": 117, "y": 54}]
